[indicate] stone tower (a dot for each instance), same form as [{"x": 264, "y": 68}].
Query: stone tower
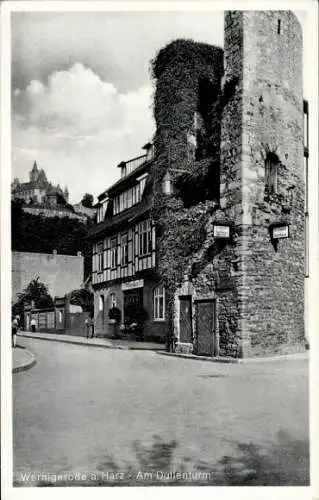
[{"x": 262, "y": 178}]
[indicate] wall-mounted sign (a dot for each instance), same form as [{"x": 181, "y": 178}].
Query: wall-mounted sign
[
  {"x": 221, "y": 231},
  {"x": 279, "y": 232},
  {"x": 130, "y": 285}
]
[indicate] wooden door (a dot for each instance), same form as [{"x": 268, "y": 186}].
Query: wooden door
[
  {"x": 185, "y": 319},
  {"x": 205, "y": 327}
]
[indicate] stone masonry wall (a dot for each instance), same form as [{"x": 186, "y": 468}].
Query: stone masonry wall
[
  {"x": 273, "y": 122},
  {"x": 264, "y": 115},
  {"x": 233, "y": 338}
]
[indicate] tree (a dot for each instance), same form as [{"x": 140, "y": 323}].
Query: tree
[
  {"x": 84, "y": 298},
  {"x": 87, "y": 200},
  {"x": 35, "y": 293}
]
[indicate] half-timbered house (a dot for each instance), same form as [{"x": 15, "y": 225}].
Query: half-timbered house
[{"x": 124, "y": 252}]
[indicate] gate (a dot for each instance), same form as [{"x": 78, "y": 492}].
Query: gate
[
  {"x": 185, "y": 319},
  {"x": 205, "y": 328}
]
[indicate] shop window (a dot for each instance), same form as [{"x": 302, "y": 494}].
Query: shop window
[
  {"x": 124, "y": 250},
  {"x": 159, "y": 303},
  {"x": 271, "y": 172},
  {"x": 145, "y": 237}
]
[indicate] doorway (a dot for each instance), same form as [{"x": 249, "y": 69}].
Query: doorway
[
  {"x": 185, "y": 319},
  {"x": 205, "y": 328},
  {"x": 133, "y": 305}
]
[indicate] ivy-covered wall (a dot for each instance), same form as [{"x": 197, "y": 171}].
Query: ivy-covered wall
[
  {"x": 218, "y": 116},
  {"x": 187, "y": 105}
]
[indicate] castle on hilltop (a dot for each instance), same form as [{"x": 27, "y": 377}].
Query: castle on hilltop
[
  {"x": 41, "y": 197},
  {"x": 38, "y": 190}
]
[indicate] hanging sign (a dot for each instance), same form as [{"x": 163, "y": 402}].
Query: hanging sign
[
  {"x": 221, "y": 231},
  {"x": 280, "y": 232}
]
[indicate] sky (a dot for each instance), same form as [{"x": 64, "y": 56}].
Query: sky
[{"x": 82, "y": 92}]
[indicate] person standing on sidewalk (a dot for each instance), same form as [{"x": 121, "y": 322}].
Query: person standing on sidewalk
[
  {"x": 14, "y": 330},
  {"x": 33, "y": 324},
  {"x": 89, "y": 327}
]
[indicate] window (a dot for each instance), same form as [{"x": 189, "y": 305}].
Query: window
[
  {"x": 129, "y": 197},
  {"x": 142, "y": 183},
  {"x": 167, "y": 184},
  {"x": 191, "y": 146},
  {"x": 102, "y": 210},
  {"x": 100, "y": 257},
  {"x": 271, "y": 169},
  {"x": 101, "y": 303},
  {"x": 159, "y": 303},
  {"x": 113, "y": 253},
  {"x": 278, "y": 26},
  {"x": 112, "y": 300},
  {"x": 124, "y": 250},
  {"x": 145, "y": 237}
]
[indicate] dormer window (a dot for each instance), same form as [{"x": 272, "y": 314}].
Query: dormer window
[
  {"x": 149, "y": 149},
  {"x": 271, "y": 172},
  {"x": 122, "y": 166},
  {"x": 101, "y": 211},
  {"x": 142, "y": 181},
  {"x": 128, "y": 198}
]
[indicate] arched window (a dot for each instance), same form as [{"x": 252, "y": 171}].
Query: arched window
[
  {"x": 60, "y": 316},
  {"x": 101, "y": 303},
  {"x": 271, "y": 172}
]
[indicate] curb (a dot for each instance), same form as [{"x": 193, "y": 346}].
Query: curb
[
  {"x": 27, "y": 365},
  {"x": 74, "y": 342},
  {"x": 285, "y": 357},
  {"x": 200, "y": 358},
  {"x": 102, "y": 346}
]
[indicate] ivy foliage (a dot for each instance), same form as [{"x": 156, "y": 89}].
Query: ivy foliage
[
  {"x": 84, "y": 298},
  {"x": 183, "y": 51},
  {"x": 35, "y": 292},
  {"x": 188, "y": 76}
]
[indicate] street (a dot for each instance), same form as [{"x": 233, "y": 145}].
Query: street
[{"x": 131, "y": 417}]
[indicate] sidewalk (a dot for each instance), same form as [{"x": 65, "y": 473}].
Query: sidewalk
[
  {"x": 22, "y": 359},
  {"x": 96, "y": 342}
]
